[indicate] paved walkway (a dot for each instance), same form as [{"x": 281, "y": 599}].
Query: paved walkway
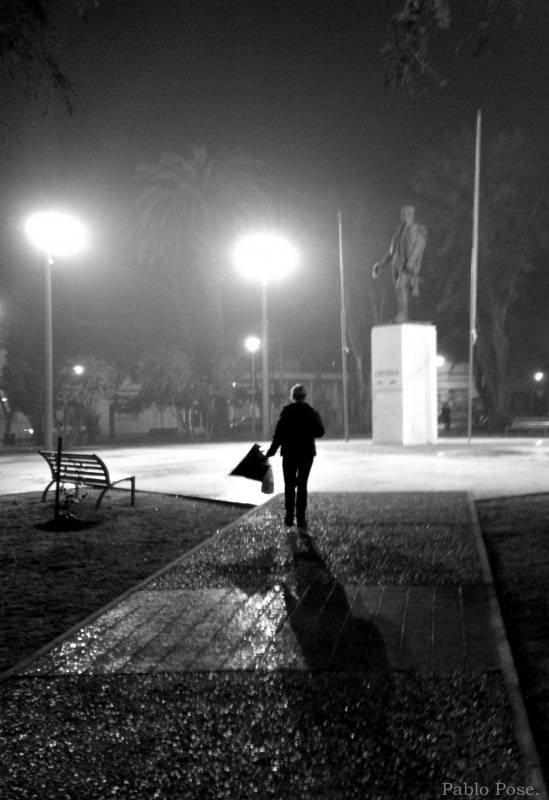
[
  {"x": 385, "y": 582},
  {"x": 301, "y": 622},
  {"x": 486, "y": 467},
  {"x": 351, "y": 628}
]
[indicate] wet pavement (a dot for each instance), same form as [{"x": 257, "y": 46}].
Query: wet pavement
[
  {"x": 388, "y": 588},
  {"x": 307, "y": 606},
  {"x": 422, "y": 628},
  {"x": 488, "y": 467}
]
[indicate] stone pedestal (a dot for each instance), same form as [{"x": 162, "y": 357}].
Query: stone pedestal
[{"x": 404, "y": 384}]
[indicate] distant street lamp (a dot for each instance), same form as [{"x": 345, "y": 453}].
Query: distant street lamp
[
  {"x": 538, "y": 376},
  {"x": 78, "y": 369},
  {"x": 57, "y": 235},
  {"x": 252, "y": 345},
  {"x": 265, "y": 256}
]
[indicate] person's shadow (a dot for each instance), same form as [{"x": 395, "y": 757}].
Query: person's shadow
[
  {"x": 329, "y": 634},
  {"x": 337, "y": 640},
  {"x": 335, "y": 629}
]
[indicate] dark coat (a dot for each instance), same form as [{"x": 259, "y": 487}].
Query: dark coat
[{"x": 297, "y": 427}]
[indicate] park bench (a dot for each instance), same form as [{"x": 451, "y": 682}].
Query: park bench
[
  {"x": 528, "y": 424},
  {"x": 83, "y": 469}
]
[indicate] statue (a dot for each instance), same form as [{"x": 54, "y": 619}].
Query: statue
[{"x": 404, "y": 256}]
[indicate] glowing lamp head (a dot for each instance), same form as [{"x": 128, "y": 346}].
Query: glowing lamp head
[
  {"x": 538, "y": 376},
  {"x": 55, "y": 233},
  {"x": 253, "y": 344},
  {"x": 265, "y": 256}
]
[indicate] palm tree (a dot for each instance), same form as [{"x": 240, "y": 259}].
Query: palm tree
[{"x": 189, "y": 210}]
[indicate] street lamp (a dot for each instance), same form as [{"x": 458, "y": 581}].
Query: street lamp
[
  {"x": 56, "y": 234},
  {"x": 265, "y": 256},
  {"x": 252, "y": 345}
]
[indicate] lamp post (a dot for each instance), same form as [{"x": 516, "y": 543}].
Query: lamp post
[
  {"x": 344, "y": 348},
  {"x": 265, "y": 256},
  {"x": 56, "y": 234},
  {"x": 252, "y": 345}
]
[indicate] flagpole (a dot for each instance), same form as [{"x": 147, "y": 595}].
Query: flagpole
[
  {"x": 474, "y": 269},
  {"x": 343, "y": 332}
]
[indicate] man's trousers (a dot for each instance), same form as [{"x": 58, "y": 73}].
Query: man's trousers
[
  {"x": 402, "y": 281},
  {"x": 296, "y": 469}
]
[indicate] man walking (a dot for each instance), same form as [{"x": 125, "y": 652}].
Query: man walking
[{"x": 297, "y": 427}]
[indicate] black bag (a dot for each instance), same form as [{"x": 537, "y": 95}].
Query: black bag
[{"x": 254, "y": 465}]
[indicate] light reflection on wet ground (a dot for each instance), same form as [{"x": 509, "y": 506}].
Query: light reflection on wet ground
[{"x": 379, "y": 583}]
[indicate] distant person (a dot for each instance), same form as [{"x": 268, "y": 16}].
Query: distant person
[
  {"x": 404, "y": 256},
  {"x": 297, "y": 427},
  {"x": 445, "y": 415}
]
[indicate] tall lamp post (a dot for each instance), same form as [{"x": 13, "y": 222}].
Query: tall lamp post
[
  {"x": 344, "y": 348},
  {"x": 252, "y": 345},
  {"x": 57, "y": 235},
  {"x": 265, "y": 256}
]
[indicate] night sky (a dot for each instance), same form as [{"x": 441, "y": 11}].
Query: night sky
[{"x": 299, "y": 85}]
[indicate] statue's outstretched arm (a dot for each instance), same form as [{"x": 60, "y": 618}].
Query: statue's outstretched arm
[{"x": 379, "y": 265}]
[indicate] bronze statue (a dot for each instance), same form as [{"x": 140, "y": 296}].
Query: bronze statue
[{"x": 404, "y": 256}]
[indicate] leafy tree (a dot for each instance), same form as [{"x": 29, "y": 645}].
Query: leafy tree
[
  {"x": 22, "y": 384},
  {"x": 169, "y": 382},
  {"x": 414, "y": 30},
  {"x": 29, "y": 42},
  {"x": 29, "y": 46},
  {"x": 76, "y": 398},
  {"x": 513, "y": 244},
  {"x": 189, "y": 211}
]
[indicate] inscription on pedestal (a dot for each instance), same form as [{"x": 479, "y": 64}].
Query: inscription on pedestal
[{"x": 404, "y": 384}]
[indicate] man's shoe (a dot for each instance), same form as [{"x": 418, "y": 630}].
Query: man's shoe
[{"x": 288, "y": 521}]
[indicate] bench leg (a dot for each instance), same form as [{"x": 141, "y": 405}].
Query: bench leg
[
  {"x": 101, "y": 496},
  {"x": 50, "y": 484},
  {"x": 132, "y": 480}
]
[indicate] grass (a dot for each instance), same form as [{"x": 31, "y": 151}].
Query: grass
[
  {"x": 52, "y": 577},
  {"x": 516, "y": 532},
  {"x": 256, "y": 735}
]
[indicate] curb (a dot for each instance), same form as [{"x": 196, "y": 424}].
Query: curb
[
  {"x": 12, "y": 671},
  {"x": 523, "y": 732}
]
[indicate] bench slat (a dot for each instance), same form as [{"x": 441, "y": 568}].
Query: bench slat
[
  {"x": 74, "y": 470},
  {"x": 70, "y": 456}
]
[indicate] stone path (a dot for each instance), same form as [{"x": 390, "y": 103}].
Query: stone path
[
  {"x": 342, "y": 628},
  {"x": 386, "y": 582},
  {"x": 312, "y": 618}
]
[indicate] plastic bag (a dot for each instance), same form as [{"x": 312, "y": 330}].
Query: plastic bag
[
  {"x": 267, "y": 485},
  {"x": 253, "y": 466}
]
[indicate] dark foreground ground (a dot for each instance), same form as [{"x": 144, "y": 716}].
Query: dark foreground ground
[
  {"x": 516, "y": 532},
  {"x": 240, "y": 736}
]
